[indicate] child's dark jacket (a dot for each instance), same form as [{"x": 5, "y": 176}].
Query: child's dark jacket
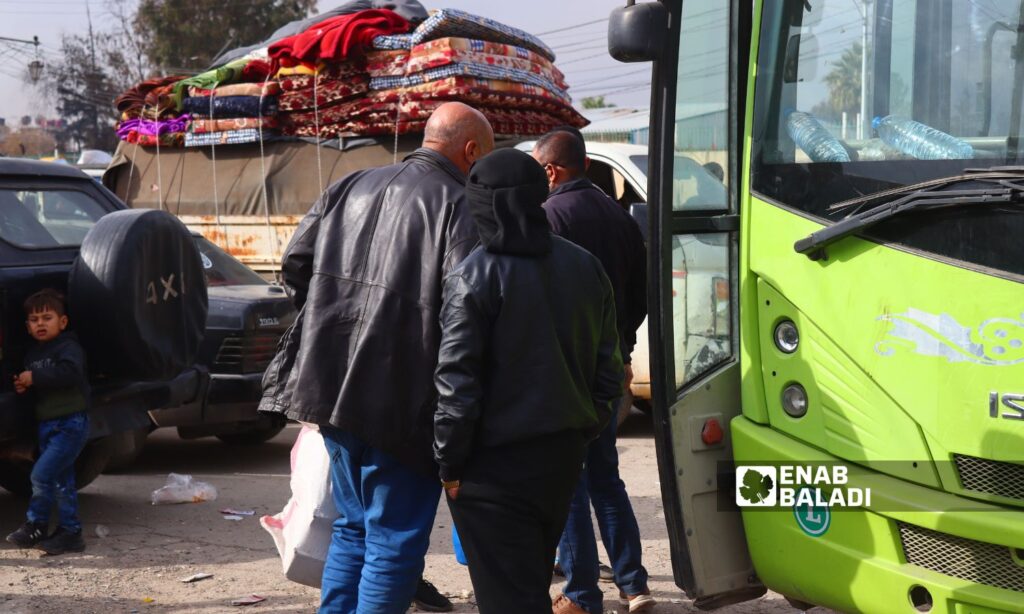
[{"x": 59, "y": 381}]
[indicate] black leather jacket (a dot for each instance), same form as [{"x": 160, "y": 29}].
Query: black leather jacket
[
  {"x": 365, "y": 269},
  {"x": 528, "y": 347}
]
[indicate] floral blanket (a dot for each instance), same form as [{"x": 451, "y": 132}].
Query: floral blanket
[
  {"x": 451, "y": 50},
  {"x": 480, "y": 71},
  {"x": 453, "y": 22}
]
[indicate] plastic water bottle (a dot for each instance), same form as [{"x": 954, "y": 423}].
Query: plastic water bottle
[
  {"x": 815, "y": 141},
  {"x": 875, "y": 150},
  {"x": 920, "y": 141}
]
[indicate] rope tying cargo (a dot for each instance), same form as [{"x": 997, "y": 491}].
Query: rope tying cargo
[
  {"x": 213, "y": 161},
  {"x": 263, "y": 177}
]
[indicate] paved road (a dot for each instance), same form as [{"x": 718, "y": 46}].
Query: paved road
[{"x": 149, "y": 549}]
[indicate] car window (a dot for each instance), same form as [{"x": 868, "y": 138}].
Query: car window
[
  {"x": 695, "y": 186},
  {"x": 613, "y": 183},
  {"x": 222, "y": 269},
  {"x": 42, "y": 217}
]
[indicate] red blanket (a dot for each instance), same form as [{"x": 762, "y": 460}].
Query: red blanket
[{"x": 338, "y": 37}]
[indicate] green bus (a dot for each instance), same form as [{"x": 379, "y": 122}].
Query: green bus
[{"x": 872, "y": 237}]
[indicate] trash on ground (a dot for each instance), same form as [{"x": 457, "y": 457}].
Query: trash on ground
[
  {"x": 148, "y": 600},
  {"x": 231, "y": 517},
  {"x": 183, "y": 489},
  {"x": 250, "y": 600},
  {"x": 197, "y": 577},
  {"x": 237, "y": 512},
  {"x": 102, "y": 531}
]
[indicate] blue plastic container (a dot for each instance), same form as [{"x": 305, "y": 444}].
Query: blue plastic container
[{"x": 460, "y": 555}]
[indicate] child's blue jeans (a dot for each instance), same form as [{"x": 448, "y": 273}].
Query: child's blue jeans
[{"x": 53, "y": 475}]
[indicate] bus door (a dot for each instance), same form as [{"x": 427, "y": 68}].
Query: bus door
[{"x": 693, "y": 255}]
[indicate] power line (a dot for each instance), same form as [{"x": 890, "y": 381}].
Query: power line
[
  {"x": 590, "y": 48},
  {"x": 573, "y": 27},
  {"x": 591, "y": 57},
  {"x": 613, "y": 85}
]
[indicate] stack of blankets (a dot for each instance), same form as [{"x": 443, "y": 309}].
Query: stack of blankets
[
  {"x": 149, "y": 114},
  {"x": 365, "y": 73},
  {"x": 242, "y": 110}
]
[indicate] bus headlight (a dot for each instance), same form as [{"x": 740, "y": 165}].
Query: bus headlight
[
  {"x": 787, "y": 337},
  {"x": 794, "y": 400}
]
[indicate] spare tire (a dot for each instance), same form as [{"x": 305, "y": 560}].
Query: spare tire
[{"x": 137, "y": 296}]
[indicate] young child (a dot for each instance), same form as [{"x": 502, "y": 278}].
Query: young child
[{"x": 55, "y": 375}]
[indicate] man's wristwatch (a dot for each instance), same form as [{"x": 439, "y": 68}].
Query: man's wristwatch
[{"x": 450, "y": 484}]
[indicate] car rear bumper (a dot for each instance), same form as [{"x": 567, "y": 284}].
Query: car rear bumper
[
  {"x": 230, "y": 398},
  {"x": 116, "y": 406},
  {"x": 967, "y": 553},
  {"x": 230, "y": 389}
]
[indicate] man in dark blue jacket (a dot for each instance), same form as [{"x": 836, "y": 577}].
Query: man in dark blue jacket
[{"x": 580, "y": 212}]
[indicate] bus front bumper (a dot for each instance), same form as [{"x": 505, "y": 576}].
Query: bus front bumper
[{"x": 968, "y": 555}]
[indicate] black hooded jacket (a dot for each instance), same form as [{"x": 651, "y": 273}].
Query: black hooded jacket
[{"x": 528, "y": 330}]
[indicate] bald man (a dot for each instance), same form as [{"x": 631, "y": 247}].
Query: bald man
[{"x": 364, "y": 270}]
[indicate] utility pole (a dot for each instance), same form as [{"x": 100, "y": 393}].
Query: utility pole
[
  {"x": 864, "y": 126},
  {"x": 92, "y": 81}
]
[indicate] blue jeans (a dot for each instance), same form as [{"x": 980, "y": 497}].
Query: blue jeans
[
  {"x": 382, "y": 533},
  {"x": 53, "y": 475},
  {"x": 577, "y": 552}
]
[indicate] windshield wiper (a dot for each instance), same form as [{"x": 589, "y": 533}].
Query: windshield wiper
[
  {"x": 994, "y": 173},
  {"x": 814, "y": 244}
]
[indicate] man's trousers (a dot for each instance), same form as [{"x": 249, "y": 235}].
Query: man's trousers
[
  {"x": 510, "y": 512},
  {"x": 386, "y": 511}
]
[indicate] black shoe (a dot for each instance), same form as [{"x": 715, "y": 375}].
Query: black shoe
[
  {"x": 429, "y": 599},
  {"x": 30, "y": 534},
  {"x": 62, "y": 541}
]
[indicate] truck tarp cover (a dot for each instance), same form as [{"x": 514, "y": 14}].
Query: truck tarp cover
[{"x": 185, "y": 177}]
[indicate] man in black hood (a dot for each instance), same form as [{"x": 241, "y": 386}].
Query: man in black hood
[
  {"x": 528, "y": 372},
  {"x": 580, "y": 212}
]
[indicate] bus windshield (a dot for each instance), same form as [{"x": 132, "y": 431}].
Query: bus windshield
[{"x": 854, "y": 97}]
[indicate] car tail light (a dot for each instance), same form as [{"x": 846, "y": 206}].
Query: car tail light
[
  {"x": 720, "y": 293},
  {"x": 721, "y": 289}
]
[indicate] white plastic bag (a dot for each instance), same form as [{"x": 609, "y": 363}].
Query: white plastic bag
[
  {"x": 302, "y": 531},
  {"x": 183, "y": 489}
]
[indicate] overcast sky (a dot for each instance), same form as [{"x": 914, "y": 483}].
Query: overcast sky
[{"x": 575, "y": 29}]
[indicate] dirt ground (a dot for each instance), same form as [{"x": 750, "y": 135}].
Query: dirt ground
[{"x": 147, "y": 550}]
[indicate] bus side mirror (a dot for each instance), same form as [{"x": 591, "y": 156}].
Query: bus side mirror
[
  {"x": 639, "y": 213},
  {"x": 637, "y": 32}
]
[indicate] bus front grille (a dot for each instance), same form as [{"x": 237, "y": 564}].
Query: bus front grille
[
  {"x": 967, "y": 559},
  {"x": 991, "y": 477}
]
